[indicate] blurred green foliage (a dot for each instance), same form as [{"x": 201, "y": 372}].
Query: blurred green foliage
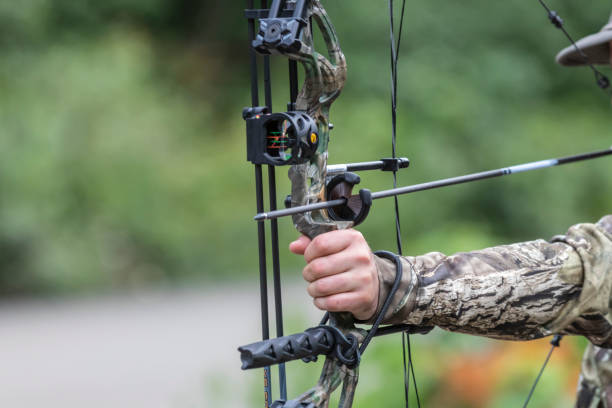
[
  {"x": 123, "y": 159},
  {"x": 122, "y": 145}
]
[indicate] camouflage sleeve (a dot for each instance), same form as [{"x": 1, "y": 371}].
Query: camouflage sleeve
[
  {"x": 595, "y": 384},
  {"x": 521, "y": 291}
]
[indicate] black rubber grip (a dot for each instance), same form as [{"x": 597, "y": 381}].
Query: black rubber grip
[{"x": 309, "y": 344}]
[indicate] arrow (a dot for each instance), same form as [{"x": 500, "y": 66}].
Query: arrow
[{"x": 504, "y": 171}]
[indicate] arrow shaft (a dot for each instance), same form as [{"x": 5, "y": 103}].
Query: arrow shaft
[{"x": 504, "y": 171}]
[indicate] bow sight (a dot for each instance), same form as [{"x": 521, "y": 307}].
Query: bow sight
[
  {"x": 288, "y": 138},
  {"x": 284, "y": 138},
  {"x": 280, "y": 139}
]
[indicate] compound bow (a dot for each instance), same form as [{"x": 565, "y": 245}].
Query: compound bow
[{"x": 321, "y": 195}]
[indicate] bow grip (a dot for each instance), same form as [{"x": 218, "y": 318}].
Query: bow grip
[{"x": 308, "y": 344}]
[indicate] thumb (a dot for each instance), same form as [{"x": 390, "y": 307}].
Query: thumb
[{"x": 299, "y": 245}]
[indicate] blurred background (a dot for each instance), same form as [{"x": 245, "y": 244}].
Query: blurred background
[{"x": 128, "y": 256}]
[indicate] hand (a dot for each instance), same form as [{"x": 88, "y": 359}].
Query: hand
[{"x": 341, "y": 272}]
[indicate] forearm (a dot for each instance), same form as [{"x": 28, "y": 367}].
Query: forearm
[{"x": 519, "y": 292}]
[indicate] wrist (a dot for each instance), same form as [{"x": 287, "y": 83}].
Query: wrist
[{"x": 404, "y": 298}]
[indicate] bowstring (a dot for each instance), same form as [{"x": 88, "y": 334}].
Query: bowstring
[
  {"x": 394, "y": 44},
  {"x": 602, "y": 82},
  {"x": 553, "y": 343}
]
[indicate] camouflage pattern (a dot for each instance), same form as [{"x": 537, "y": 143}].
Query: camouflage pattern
[
  {"x": 595, "y": 384},
  {"x": 332, "y": 376},
  {"x": 324, "y": 79},
  {"x": 590, "y": 315},
  {"x": 521, "y": 291},
  {"x": 323, "y": 82}
]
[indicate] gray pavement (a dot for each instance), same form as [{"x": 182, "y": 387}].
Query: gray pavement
[{"x": 152, "y": 349}]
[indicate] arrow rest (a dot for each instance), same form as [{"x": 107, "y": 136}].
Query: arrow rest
[{"x": 357, "y": 207}]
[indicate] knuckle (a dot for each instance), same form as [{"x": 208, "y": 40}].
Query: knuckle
[
  {"x": 320, "y": 303},
  {"x": 318, "y": 268},
  {"x": 358, "y": 239},
  {"x": 307, "y": 274},
  {"x": 319, "y": 243},
  {"x": 324, "y": 285},
  {"x": 354, "y": 234},
  {"x": 312, "y": 290},
  {"x": 368, "y": 298},
  {"x": 329, "y": 285},
  {"x": 363, "y": 257},
  {"x": 363, "y": 278},
  {"x": 360, "y": 297},
  {"x": 334, "y": 303}
]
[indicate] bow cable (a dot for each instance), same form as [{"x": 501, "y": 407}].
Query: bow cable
[
  {"x": 259, "y": 197},
  {"x": 394, "y": 54},
  {"x": 555, "y": 342}
]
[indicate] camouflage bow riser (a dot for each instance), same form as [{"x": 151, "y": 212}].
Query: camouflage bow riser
[
  {"x": 324, "y": 78},
  {"x": 323, "y": 82}
]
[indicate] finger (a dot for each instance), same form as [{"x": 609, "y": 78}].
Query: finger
[
  {"x": 344, "y": 302},
  {"x": 330, "y": 243},
  {"x": 331, "y": 285},
  {"x": 350, "y": 258},
  {"x": 326, "y": 266},
  {"x": 335, "y": 303},
  {"x": 299, "y": 245}
]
